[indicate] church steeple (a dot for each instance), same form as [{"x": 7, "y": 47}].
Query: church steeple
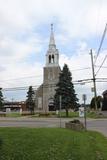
[
  {"x": 52, "y": 40},
  {"x": 52, "y": 56}
]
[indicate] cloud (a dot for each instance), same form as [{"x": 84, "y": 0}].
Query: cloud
[
  {"x": 24, "y": 37},
  {"x": 2, "y": 68},
  {"x": 81, "y": 69},
  {"x": 75, "y": 17}
]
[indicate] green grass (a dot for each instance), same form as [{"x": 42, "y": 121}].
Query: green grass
[
  {"x": 53, "y": 114},
  {"x": 71, "y": 114},
  {"x": 51, "y": 144},
  {"x": 89, "y": 115},
  {"x": 92, "y": 115},
  {"x": 14, "y": 114},
  {"x": 95, "y": 115}
]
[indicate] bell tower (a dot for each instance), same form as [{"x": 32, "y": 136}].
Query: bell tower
[
  {"x": 51, "y": 73},
  {"x": 52, "y": 56}
]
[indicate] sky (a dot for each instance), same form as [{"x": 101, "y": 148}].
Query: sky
[{"x": 24, "y": 40}]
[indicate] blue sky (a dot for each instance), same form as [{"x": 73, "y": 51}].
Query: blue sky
[{"x": 24, "y": 39}]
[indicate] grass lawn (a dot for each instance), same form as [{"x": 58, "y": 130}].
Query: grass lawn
[
  {"x": 52, "y": 114},
  {"x": 70, "y": 115},
  {"x": 76, "y": 114},
  {"x": 13, "y": 114},
  {"x": 51, "y": 144}
]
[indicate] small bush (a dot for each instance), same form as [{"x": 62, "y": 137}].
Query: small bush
[{"x": 75, "y": 121}]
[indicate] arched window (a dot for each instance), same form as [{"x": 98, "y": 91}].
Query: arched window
[
  {"x": 49, "y": 58},
  {"x": 52, "y": 58}
]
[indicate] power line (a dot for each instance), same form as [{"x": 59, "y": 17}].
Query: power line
[
  {"x": 82, "y": 80},
  {"x": 36, "y": 76},
  {"x": 36, "y": 86},
  {"x": 101, "y": 81},
  {"x": 102, "y": 78},
  {"x": 101, "y": 65},
  {"x": 79, "y": 82},
  {"x": 21, "y": 78},
  {"x": 18, "y": 88},
  {"x": 80, "y": 69},
  {"x": 102, "y": 39},
  {"x": 98, "y": 15}
]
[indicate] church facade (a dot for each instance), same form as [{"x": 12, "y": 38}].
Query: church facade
[{"x": 46, "y": 91}]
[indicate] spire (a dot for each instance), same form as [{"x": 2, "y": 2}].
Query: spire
[
  {"x": 52, "y": 56},
  {"x": 52, "y": 40}
]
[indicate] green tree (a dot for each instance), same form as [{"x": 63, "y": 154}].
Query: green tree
[
  {"x": 1, "y": 99},
  {"x": 65, "y": 88},
  {"x": 98, "y": 100},
  {"x": 30, "y": 100}
]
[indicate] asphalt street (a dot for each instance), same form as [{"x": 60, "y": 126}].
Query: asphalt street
[{"x": 92, "y": 124}]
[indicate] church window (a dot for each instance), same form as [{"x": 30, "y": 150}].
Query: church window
[
  {"x": 49, "y": 58},
  {"x": 52, "y": 58}
]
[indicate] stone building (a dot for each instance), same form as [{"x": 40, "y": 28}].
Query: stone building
[{"x": 45, "y": 93}]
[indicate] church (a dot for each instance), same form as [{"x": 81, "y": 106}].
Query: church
[{"x": 46, "y": 91}]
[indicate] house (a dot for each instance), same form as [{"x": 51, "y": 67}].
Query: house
[{"x": 14, "y": 106}]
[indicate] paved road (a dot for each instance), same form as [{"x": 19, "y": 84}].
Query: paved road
[
  {"x": 98, "y": 125},
  {"x": 92, "y": 124}
]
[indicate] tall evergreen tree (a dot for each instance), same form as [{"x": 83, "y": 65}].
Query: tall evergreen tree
[
  {"x": 65, "y": 89},
  {"x": 30, "y": 100},
  {"x": 1, "y": 99}
]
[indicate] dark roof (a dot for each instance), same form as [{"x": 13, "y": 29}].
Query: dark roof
[
  {"x": 13, "y": 103},
  {"x": 105, "y": 92},
  {"x": 12, "y": 106}
]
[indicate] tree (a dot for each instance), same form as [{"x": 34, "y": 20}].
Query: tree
[
  {"x": 1, "y": 99},
  {"x": 30, "y": 100},
  {"x": 98, "y": 101},
  {"x": 104, "y": 104},
  {"x": 65, "y": 88}
]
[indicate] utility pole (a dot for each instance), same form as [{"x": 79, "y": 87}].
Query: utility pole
[{"x": 94, "y": 79}]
